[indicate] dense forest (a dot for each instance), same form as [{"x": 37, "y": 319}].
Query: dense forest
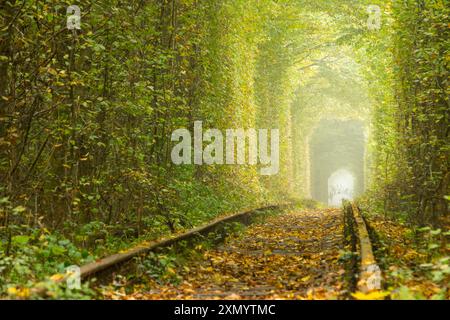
[{"x": 87, "y": 115}]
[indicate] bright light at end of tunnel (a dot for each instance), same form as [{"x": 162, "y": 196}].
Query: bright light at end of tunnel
[{"x": 341, "y": 185}]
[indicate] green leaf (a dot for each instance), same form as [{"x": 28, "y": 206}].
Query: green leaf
[
  {"x": 405, "y": 294},
  {"x": 438, "y": 276},
  {"x": 19, "y": 209},
  {"x": 435, "y": 232},
  {"x": 433, "y": 246},
  {"x": 57, "y": 250},
  {"x": 20, "y": 240}
]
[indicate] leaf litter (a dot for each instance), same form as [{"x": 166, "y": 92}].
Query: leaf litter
[{"x": 290, "y": 256}]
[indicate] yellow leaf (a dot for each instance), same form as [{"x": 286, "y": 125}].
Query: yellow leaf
[
  {"x": 52, "y": 71},
  {"x": 57, "y": 277},
  {"x": 24, "y": 293},
  {"x": 304, "y": 279},
  {"x": 374, "y": 295},
  {"x": 171, "y": 270},
  {"x": 12, "y": 291}
]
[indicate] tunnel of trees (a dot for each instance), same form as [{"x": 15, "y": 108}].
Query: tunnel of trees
[{"x": 86, "y": 116}]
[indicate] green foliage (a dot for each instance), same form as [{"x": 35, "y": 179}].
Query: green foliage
[
  {"x": 86, "y": 115},
  {"x": 416, "y": 261},
  {"x": 160, "y": 267},
  {"x": 32, "y": 258},
  {"x": 411, "y": 122}
]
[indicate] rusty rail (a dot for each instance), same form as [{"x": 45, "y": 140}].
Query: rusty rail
[
  {"x": 110, "y": 262},
  {"x": 369, "y": 272}
]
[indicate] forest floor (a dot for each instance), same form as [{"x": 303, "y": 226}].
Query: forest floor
[
  {"x": 289, "y": 256},
  {"x": 415, "y": 264}
]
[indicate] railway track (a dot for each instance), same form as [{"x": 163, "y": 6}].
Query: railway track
[{"x": 300, "y": 246}]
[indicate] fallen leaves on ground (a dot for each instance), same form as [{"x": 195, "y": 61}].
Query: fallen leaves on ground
[{"x": 289, "y": 256}]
